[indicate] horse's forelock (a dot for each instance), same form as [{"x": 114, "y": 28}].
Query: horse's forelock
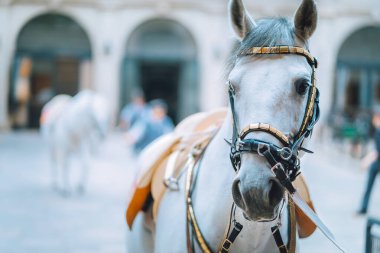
[{"x": 268, "y": 32}]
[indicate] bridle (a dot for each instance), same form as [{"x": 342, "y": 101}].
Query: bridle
[{"x": 283, "y": 161}]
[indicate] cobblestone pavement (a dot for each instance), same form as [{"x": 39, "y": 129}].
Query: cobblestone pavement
[{"x": 34, "y": 218}]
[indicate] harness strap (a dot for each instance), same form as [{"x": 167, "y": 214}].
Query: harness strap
[
  {"x": 309, "y": 111},
  {"x": 291, "y": 246},
  {"x": 278, "y": 239},
  {"x": 278, "y": 170},
  {"x": 190, "y": 165},
  {"x": 231, "y": 93},
  {"x": 192, "y": 224},
  {"x": 228, "y": 227},
  {"x": 231, "y": 238},
  {"x": 292, "y": 226},
  {"x": 312, "y": 121},
  {"x": 197, "y": 232}
]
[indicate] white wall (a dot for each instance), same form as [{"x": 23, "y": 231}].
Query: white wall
[
  {"x": 109, "y": 28},
  {"x": 3, "y": 68}
]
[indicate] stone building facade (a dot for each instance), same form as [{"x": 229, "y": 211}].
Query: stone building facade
[{"x": 174, "y": 49}]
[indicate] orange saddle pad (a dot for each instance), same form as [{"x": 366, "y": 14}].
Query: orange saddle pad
[{"x": 197, "y": 128}]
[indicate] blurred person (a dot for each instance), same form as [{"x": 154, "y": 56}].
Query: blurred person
[
  {"x": 149, "y": 128},
  {"x": 374, "y": 169},
  {"x": 22, "y": 93},
  {"x": 132, "y": 112}
]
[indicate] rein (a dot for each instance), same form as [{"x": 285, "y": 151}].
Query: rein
[{"x": 283, "y": 161}]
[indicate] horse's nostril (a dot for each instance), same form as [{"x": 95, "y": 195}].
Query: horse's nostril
[
  {"x": 236, "y": 186},
  {"x": 275, "y": 193},
  {"x": 236, "y": 193}
]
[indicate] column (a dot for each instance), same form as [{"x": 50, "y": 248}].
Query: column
[
  {"x": 85, "y": 75},
  {"x": 341, "y": 83},
  {"x": 5, "y": 50},
  {"x": 364, "y": 89}
]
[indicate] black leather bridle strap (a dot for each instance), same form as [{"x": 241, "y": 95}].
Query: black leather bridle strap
[
  {"x": 279, "y": 171},
  {"x": 231, "y": 238},
  {"x": 309, "y": 128},
  {"x": 231, "y": 94},
  {"x": 278, "y": 239}
]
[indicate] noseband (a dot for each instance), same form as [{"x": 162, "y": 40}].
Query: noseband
[{"x": 284, "y": 161}]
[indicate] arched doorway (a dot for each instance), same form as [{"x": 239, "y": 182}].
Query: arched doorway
[
  {"x": 52, "y": 56},
  {"x": 161, "y": 61},
  {"x": 357, "y": 84}
]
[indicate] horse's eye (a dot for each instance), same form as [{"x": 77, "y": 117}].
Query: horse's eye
[{"x": 301, "y": 85}]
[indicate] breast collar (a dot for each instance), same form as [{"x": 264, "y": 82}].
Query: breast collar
[{"x": 284, "y": 161}]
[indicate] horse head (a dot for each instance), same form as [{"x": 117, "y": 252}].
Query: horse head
[{"x": 270, "y": 89}]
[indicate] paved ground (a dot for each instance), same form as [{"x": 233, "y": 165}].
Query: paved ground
[
  {"x": 33, "y": 218},
  {"x": 337, "y": 184}
]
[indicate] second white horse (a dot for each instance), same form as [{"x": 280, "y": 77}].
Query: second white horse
[{"x": 73, "y": 125}]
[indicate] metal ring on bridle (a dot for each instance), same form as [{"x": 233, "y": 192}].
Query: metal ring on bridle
[{"x": 286, "y": 153}]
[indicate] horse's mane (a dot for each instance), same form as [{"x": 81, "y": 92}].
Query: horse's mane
[{"x": 268, "y": 32}]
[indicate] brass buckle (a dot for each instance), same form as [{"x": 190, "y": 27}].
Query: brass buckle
[
  {"x": 228, "y": 246},
  {"x": 277, "y": 166},
  {"x": 172, "y": 184},
  {"x": 196, "y": 150},
  {"x": 260, "y": 146}
]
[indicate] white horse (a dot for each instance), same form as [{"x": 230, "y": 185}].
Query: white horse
[
  {"x": 269, "y": 89},
  {"x": 73, "y": 126}
]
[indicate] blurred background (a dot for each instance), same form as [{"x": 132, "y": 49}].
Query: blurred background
[{"x": 174, "y": 50}]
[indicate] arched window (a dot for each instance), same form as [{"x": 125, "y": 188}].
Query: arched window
[
  {"x": 357, "y": 85},
  {"x": 161, "y": 61},
  {"x": 52, "y": 56}
]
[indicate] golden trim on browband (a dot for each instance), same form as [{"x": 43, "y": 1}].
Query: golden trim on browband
[
  {"x": 265, "y": 128},
  {"x": 280, "y": 50}
]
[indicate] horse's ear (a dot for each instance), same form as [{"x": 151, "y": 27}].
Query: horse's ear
[
  {"x": 305, "y": 20},
  {"x": 240, "y": 20}
]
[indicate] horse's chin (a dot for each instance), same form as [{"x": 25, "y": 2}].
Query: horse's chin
[
  {"x": 259, "y": 218},
  {"x": 262, "y": 215}
]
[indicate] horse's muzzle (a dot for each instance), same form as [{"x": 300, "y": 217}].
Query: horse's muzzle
[{"x": 258, "y": 200}]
